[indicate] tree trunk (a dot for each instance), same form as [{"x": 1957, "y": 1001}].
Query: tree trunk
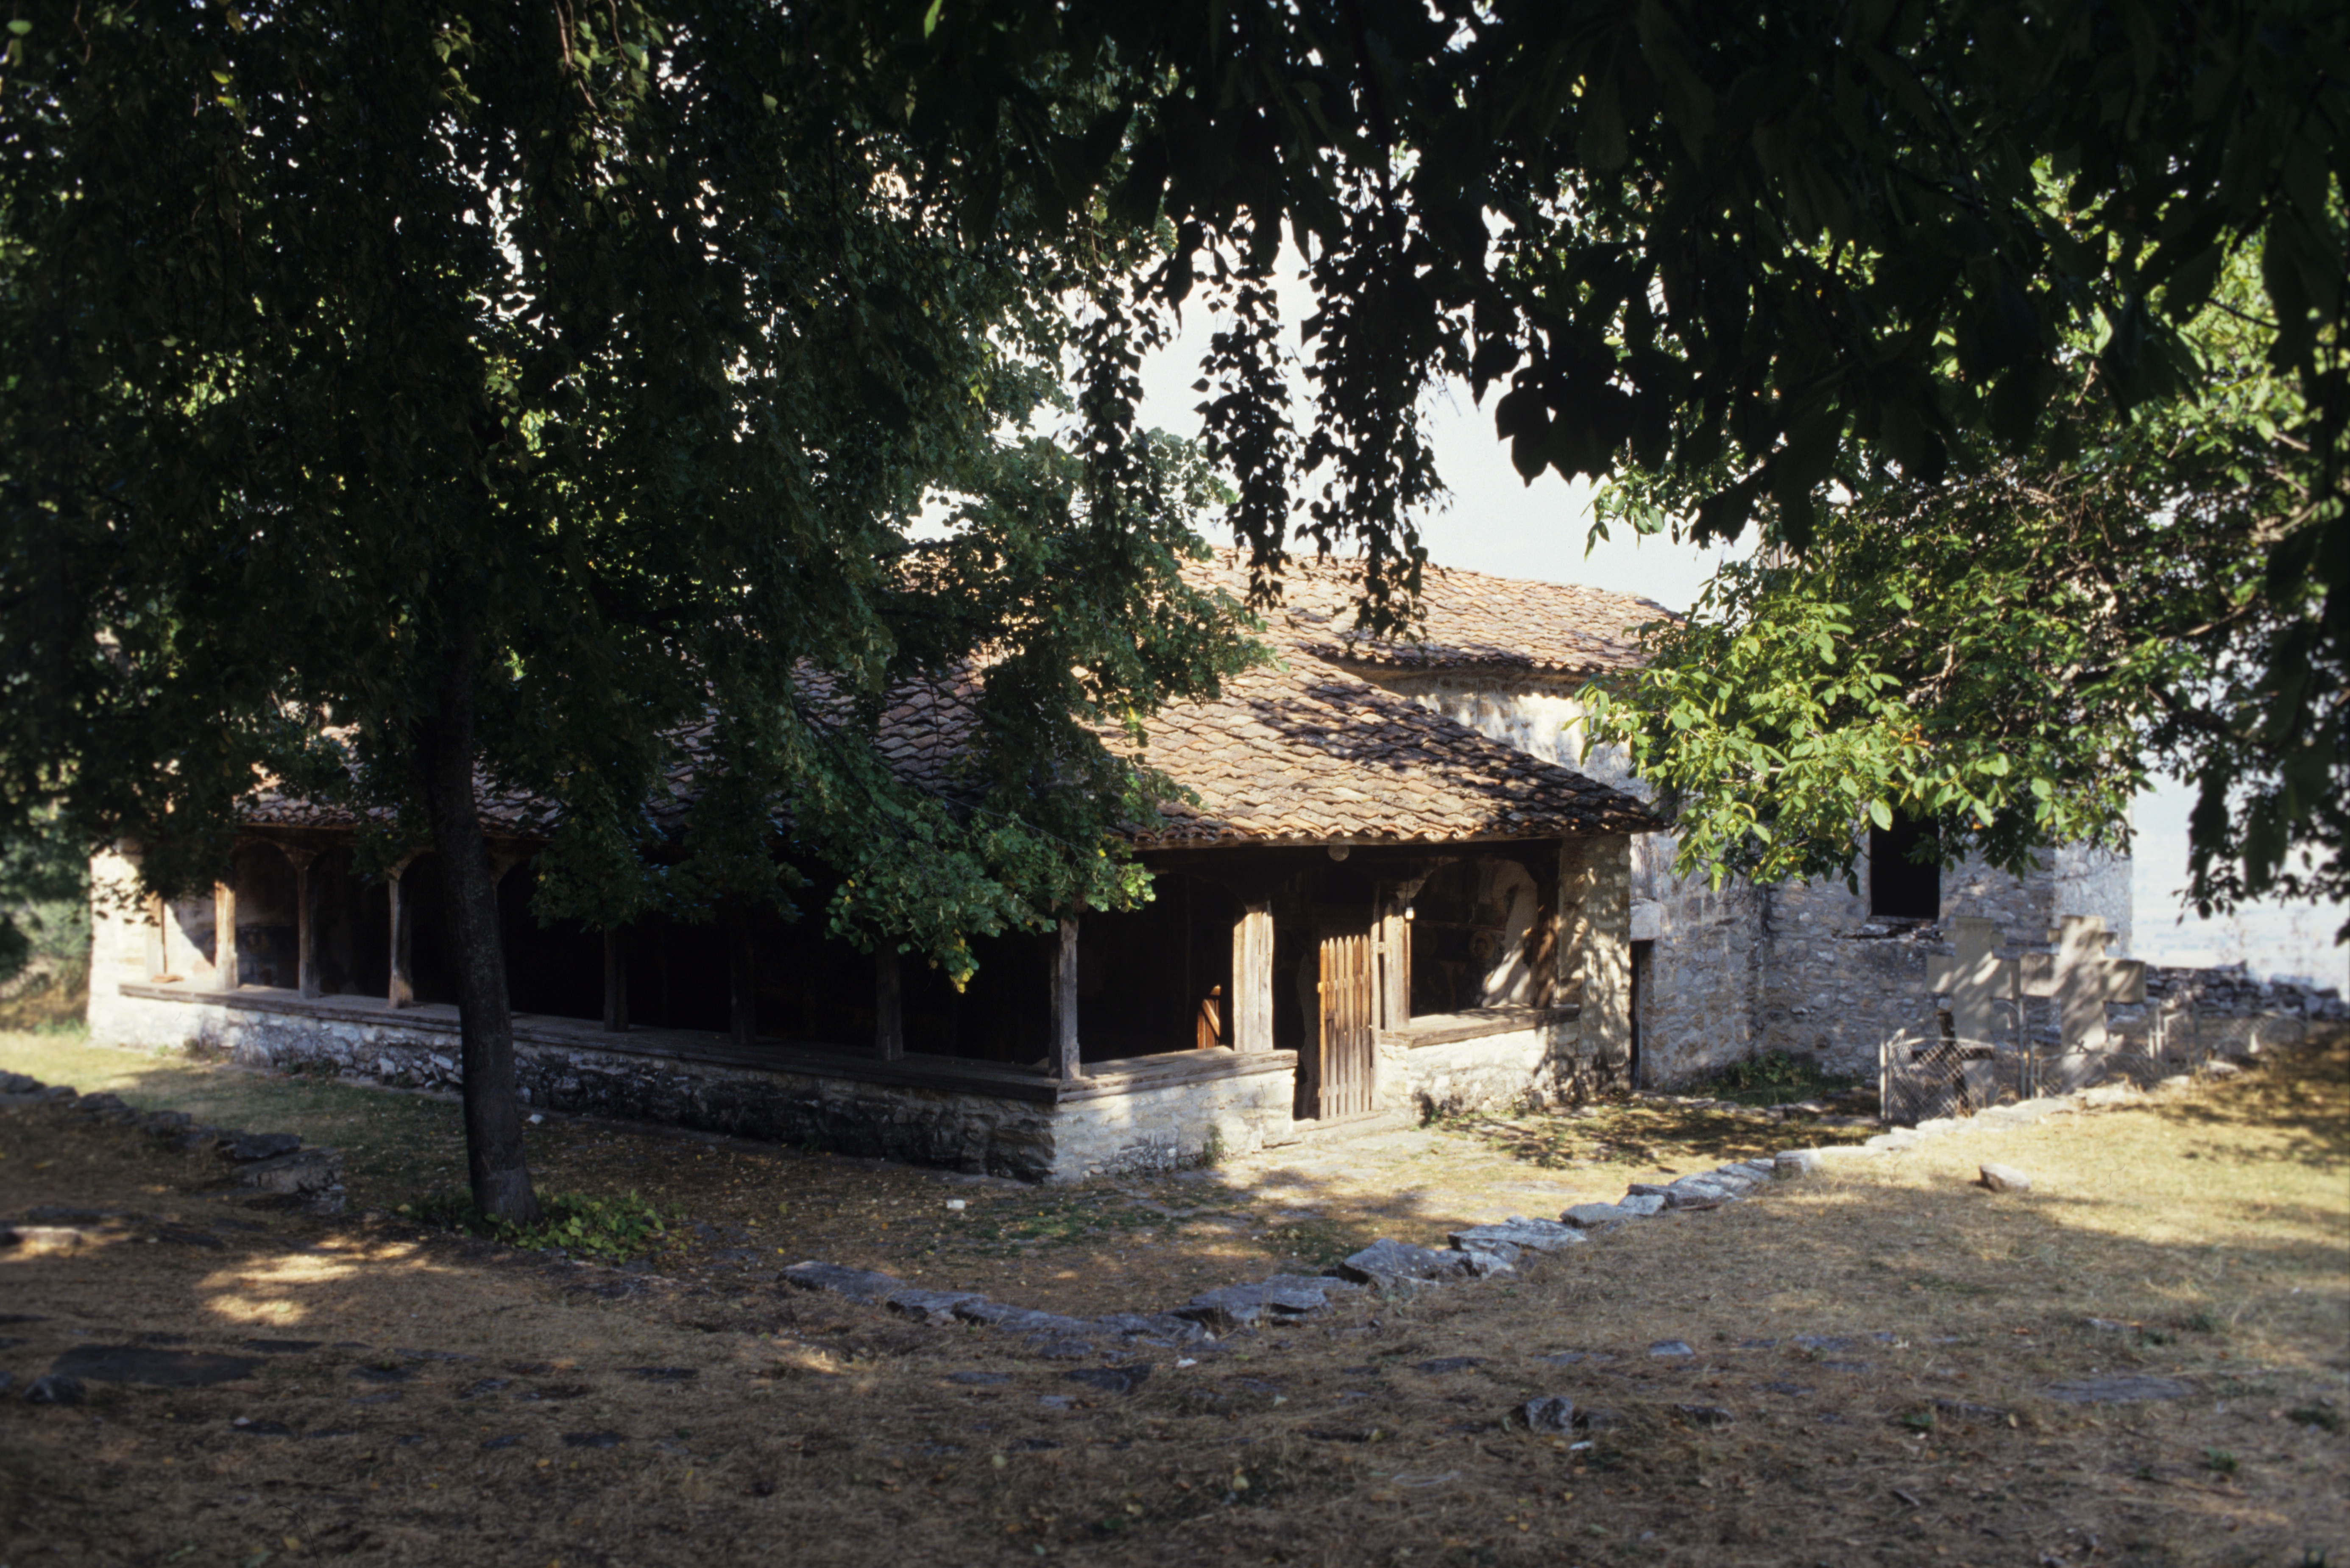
[{"x": 445, "y": 755}]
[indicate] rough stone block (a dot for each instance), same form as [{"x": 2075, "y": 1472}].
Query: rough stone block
[
  {"x": 1153, "y": 1328},
  {"x": 1640, "y": 1205},
  {"x": 1596, "y": 1216},
  {"x": 2004, "y": 1178},
  {"x": 1799, "y": 1162},
  {"x": 1485, "y": 1263},
  {"x": 1389, "y": 1264}
]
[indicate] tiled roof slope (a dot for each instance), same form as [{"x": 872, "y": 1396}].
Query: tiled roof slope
[
  {"x": 1472, "y": 621},
  {"x": 1300, "y": 751},
  {"x": 1312, "y": 754}
]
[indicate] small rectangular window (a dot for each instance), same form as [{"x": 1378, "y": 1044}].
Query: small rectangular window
[{"x": 1899, "y": 886}]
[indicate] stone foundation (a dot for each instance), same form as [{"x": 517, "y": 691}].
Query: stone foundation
[{"x": 1150, "y": 1114}]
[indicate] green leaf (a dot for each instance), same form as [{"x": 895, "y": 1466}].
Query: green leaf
[{"x": 1881, "y": 814}]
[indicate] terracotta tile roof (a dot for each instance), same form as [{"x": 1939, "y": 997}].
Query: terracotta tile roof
[
  {"x": 1472, "y": 621},
  {"x": 1312, "y": 754},
  {"x": 1300, "y": 750}
]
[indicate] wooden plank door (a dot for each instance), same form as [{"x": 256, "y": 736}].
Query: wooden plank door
[{"x": 1349, "y": 1006}]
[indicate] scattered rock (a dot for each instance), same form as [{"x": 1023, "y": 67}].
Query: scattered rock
[
  {"x": 2117, "y": 1389},
  {"x": 1444, "y": 1364},
  {"x": 246, "y": 1146},
  {"x": 482, "y": 1386},
  {"x": 505, "y": 1442},
  {"x": 1705, "y": 1415},
  {"x": 979, "y": 1380},
  {"x": 1958, "y": 1409},
  {"x": 1552, "y": 1413},
  {"x": 593, "y": 1440},
  {"x": 2005, "y": 1179},
  {"x": 53, "y": 1389},
  {"x": 252, "y": 1428},
  {"x": 150, "y": 1364},
  {"x": 1019, "y": 1319},
  {"x": 304, "y": 1172},
  {"x": 1667, "y": 1347},
  {"x": 2109, "y": 1325},
  {"x": 1111, "y": 1379}
]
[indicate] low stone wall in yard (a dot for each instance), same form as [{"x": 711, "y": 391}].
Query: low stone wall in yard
[{"x": 1491, "y": 1072}]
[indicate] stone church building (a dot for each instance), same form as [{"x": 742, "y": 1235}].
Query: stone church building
[{"x": 1404, "y": 889}]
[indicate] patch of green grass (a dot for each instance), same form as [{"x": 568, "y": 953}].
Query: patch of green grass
[
  {"x": 2221, "y": 1461},
  {"x": 615, "y": 1228},
  {"x": 1776, "y": 1078}
]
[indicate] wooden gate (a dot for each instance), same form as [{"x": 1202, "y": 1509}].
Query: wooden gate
[{"x": 1342, "y": 1080}]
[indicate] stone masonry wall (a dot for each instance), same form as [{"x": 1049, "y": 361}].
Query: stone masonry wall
[{"x": 1739, "y": 971}]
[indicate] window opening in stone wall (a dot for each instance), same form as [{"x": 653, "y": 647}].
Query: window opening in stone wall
[
  {"x": 1644, "y": 959},
  {"x": 1900, "y": 887}
]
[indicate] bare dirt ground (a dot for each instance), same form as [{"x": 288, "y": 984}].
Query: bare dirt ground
[{"x": 391, "y": 1393}]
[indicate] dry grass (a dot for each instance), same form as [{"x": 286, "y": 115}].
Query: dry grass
[{"x": 2217, "y": 1223}]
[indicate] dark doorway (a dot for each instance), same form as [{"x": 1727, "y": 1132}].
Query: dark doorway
[{"x": 1644, "y": 958}]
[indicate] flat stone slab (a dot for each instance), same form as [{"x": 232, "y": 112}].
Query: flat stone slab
[
  {"x": 1389, "y": 1264},
  {"x": 302, "y": 1170},
  {"x": 1155, "y": 1327},
  {"x": 151, "y": 1364},
  {"x": 1531, "y": 1235},
  {"x": 1698, "y": 1194},
  {"x": 1019, "y": 1319},
  {"x": 1672, "y": 1347},
  {"x": 2116, "y": 1388},
  {"x": 1833, "y": 1343},
  {"x": 1596, "y": 1216},
  {"x": 864, "y": 1285},
  {"x": 2004, "y": 1178},
  {"x": 1798, "y": 1161},
  {"x": 1641, "y": 1204},
  {"x": 937, "y": 1306}
]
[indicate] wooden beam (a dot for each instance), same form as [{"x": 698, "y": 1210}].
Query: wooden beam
[
  {"x": 616, "y": 983},
  {"x": 741, "y": 978},
  {"x": 1065, "y": 1061},
  {"x": 1251, "y": 1026},
  {"x": 888, "y": 1005},
  {"x": 224, "y": 935}
]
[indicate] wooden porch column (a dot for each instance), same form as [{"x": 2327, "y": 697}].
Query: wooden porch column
[
  {"x": 1065, "y": 1059},
  {"x": 1251, "y": 998},
  {"x": 401, "y": 992},
  {"x": 224, "y": 935},
  {"x": 616, "y": 983},
  {"x": 888, "y": 1005},
  {"x": 742, "y": 977},
  {"x": 159, "y": 958},
  {"x": 1395, "y": 963},
  {"x": 306, "y": 923}
]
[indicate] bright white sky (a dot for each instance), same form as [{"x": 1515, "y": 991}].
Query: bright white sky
[{"x": 1498, "y": 523}]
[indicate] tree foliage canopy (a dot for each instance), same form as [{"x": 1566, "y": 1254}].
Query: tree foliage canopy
[{"x": 1751, "y": 252}]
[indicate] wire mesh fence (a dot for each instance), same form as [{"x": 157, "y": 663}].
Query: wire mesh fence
[{"x": 1920, "y": 1079}]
